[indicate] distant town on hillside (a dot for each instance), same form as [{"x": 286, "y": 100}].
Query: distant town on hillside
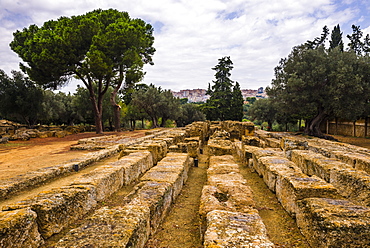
[{"x": 199, "y": 95}]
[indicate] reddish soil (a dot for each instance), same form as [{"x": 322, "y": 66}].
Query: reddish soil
[{"x": 19, "y": 157}]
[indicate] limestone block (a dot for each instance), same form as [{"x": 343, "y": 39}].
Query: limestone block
[
  {"x": 357, "y": 160},
  {"x": 249, "y": 128},
  {"x": 273, "y": 168},
  {"x": 218, "y": 147},
  {"x": 352, "y": 184},
  {"x": 158, "y": 150},
  {"x": 222, "y": 165},
  {"x": 248, "y": 151},
  {"x": 106, "y": 179},
  {"x": 313, "y": 163},
  {"x": 134, "y": 165},
  {"x": 157, "y": 196},
  {"x": 58, "y": 208},
  {"x": 234, "y": 229},
  {"x": 60, "y": 134},
  {"x": 226, "y": 196},
  {"x": 259, "y": 153},
  {"x": 173, "y": 178},
  {"x": 230, "y": 178},
  {"x": 272, "y": 142},
  {"x": 193, "y": 149},
  {"x": 294, "y": 187},
  {"x": 289, "y": 143},
  {"x": 251, "y": 140},
  {"x": 18, "y": 229},
  {"x": 127, "y": 226},
  {"x": 333, "y": 223},
  {"x": 238, "y": 148}
]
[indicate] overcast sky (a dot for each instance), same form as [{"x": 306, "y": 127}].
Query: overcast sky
[{"x": 191, "y": 35}]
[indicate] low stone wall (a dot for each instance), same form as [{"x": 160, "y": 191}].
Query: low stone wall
[
  {"x": 334, "y": 223},
  {"x": 60, "y": 207},
  {"x": 228, "y": 217},
  {"x": 147, "y": 205},
  {"x": 312, "y": 187},
  {"x": 351, "y": 184}
]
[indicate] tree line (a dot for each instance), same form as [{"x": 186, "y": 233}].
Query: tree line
[
  {"x": 106, "y": 50},
  {"x": 320, "y": 80},
  {"x": 22, "y": 100}
]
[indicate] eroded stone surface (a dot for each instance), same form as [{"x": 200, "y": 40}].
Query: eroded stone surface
[
  {"x": 294, "y": 187},
  {"x": 233, "y": 229},
  {"x": 334, "y": 223},
  {"x": 18, "y": 229},
  {"x": 127, "y": 226},
  {"x": 58, "y": 208}
]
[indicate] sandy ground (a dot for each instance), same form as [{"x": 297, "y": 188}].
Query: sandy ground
[{"x": 19, "y": 157}]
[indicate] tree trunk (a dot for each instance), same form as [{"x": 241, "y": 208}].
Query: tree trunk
[
  {"x": 313, "y": 128},
  {"x": 116, "y": 111}
]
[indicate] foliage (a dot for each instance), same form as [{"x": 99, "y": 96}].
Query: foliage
[
  {"x": 226, "y": 101},
  {"x": 263, "y": 110},
  {"x": 314, "y": 83},
  {"x": 99, "y": 48},
  {"x": 190, "y": 112},
  {"x": 20, "y": 99}
]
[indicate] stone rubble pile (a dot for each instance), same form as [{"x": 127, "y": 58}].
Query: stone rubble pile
[{"x": 14, "y": 131}]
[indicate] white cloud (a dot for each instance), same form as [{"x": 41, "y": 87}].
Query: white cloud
[{"x": 191, "y": 35}]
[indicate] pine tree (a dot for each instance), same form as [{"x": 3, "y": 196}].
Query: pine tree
[
  {"x": 221, "y": 104},
  {"x": 237, "y": 104},
  {"x": 336, "y": 39}
]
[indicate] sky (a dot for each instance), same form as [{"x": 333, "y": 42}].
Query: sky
[{"x": 192, "y": 35}]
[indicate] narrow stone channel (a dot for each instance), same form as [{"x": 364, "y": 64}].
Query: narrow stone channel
[
  {"x": 282, "y": 229},
  {"x": 181, "y": 227}
]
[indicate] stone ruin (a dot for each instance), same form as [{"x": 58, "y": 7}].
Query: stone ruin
[
  {"x": 323, "y": 185},
  {"x": 14, "y": 131}
]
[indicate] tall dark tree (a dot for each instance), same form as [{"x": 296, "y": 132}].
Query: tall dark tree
[
  {"x": 20, "y": 98},
  {"x": 336, "y": 39},
  {"x": 218, "y": 105},
  {"x": 98, "y": 48},
  {"x": 355, "y": 43},
  {"x": 237, "y": 102}
]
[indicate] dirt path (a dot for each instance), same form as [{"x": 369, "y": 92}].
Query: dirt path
[
  {"x": 180, "y": 229},
  {"x": 19, "y": 157}
]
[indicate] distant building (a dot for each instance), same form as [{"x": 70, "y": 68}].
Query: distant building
[{"x": 199, "y": 95}]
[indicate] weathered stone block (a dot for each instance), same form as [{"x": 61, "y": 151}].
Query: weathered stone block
[
  {"x": 259, "y": 153},
  {"x": 218, "y": 147},
  {"x": 58, "y": 208},
  {"x": 289, "y": 143},
  {"x": 272, "y": 142},
  {"x": 333, "y": 223},
  {"x": 230, "y": 178},
  {"x": 222, "y": 165},
  {"x": 134, "y": 165},
  {"x": 352, "y": 184},
  {"x": 313, "y": 163},
  {"x": 18, "y": 229},
  {"x": 357, "y": 160},
  {"x": 106, "y": 179},
  {"x": 127, "y": 226},
  {"x": 172, "y": 169},
  {"x": 233, "y": 229},
  {"x": 273, "y": 168},
  {"x": 297, "y": 186},
  {"x": 157, "y": 196},
  {"x": 226, "y": 196}
]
